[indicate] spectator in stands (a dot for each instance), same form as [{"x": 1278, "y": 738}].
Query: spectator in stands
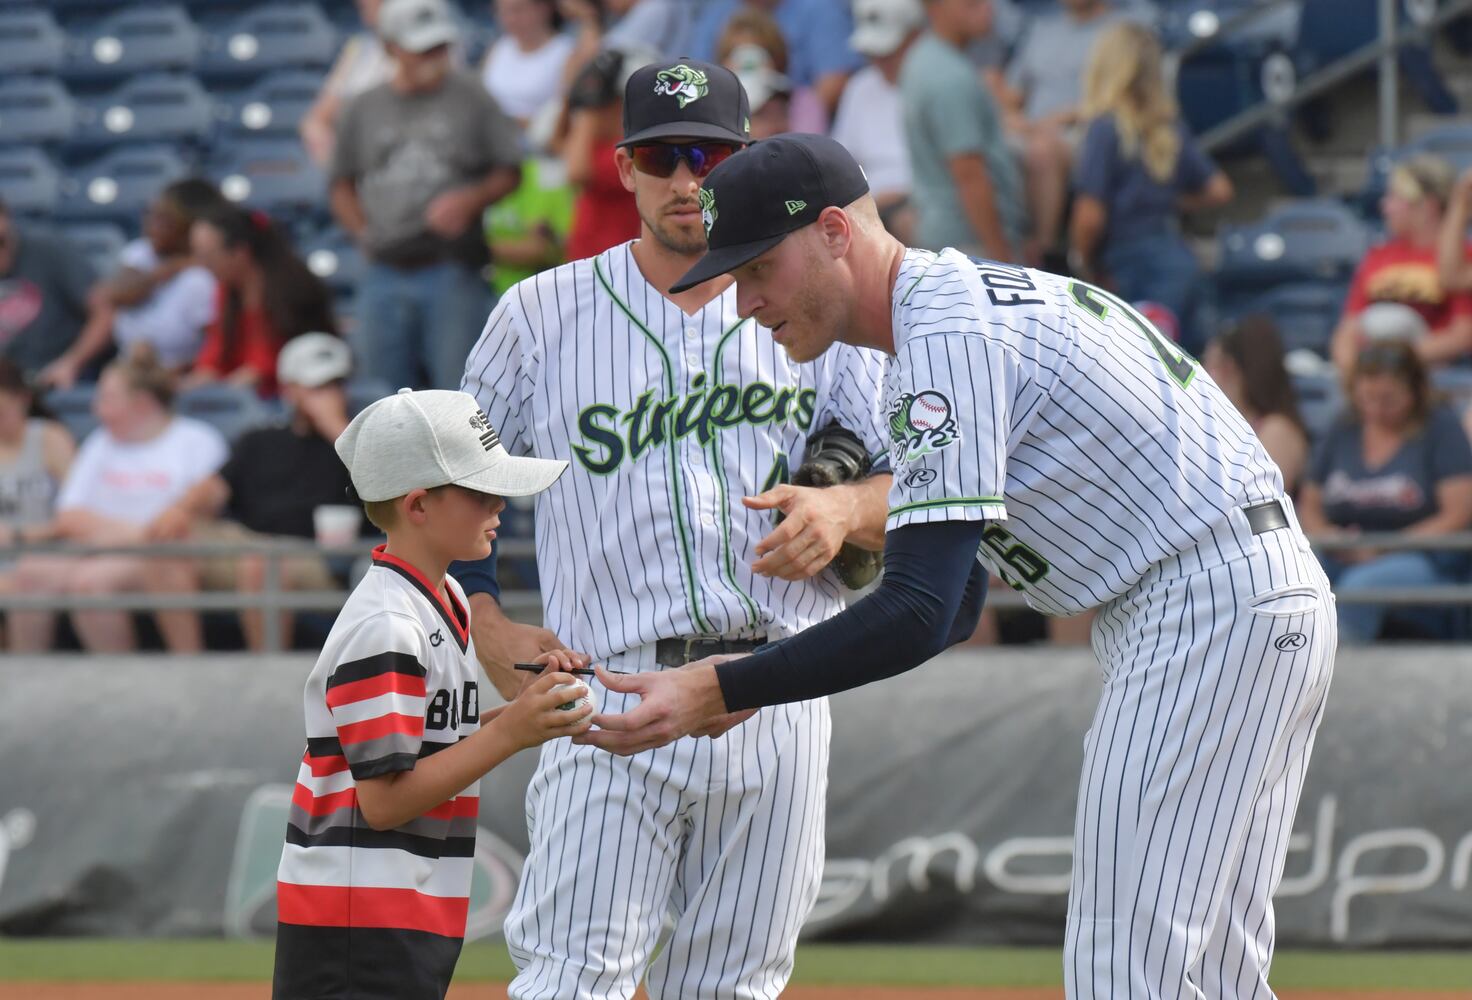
[
  {"x": 1246, "y": 363},
  {"x": 274, "y": 480},
  {"x": 35, "y": 454},
  {"x": 816, "y": 31},
  {"x": 527, "y": 231},
  {"x": 1453, "y": 253},
  {"x": 871, "y": 120},
  {"x": 418, "y": 159},
  {"x": 1404, "y": 268},
  {"x": 361, "y": 65},
  {"x": 139, "y": 461},
  {"x": 604, "y": 214},
  {"x": 1137, "y": 169},
  {"x": 523, "y": 69},
  {"x": 659, "y": 26},
  {"x": 266, "y": 295},
  {"x": 43, "y": 295},
  {"x": 753, "y": 48},
  {"x": 1397, "y": 463},
  {"x": 160, "y": 294},
  {"x": 967, "y": 190}
]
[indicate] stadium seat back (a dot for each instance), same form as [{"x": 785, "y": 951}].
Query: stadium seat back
[
  {"x": 230, "y": 409},
  {"x": 73, "y": 407},
  {"x": 136, "y": 39},
  {"x": 278, "y": 36},
  {"x": 1452, "y": 143},
  {"x": 35, "y": 110},
  {"x": 1305, "y": 313},
  {"x": 362, "y": 391},
  {"x": 29, "y": 181},
  {"x": 335, "y": 259},
  {"x": 31, "y": 41},
  {"x": 100, "y": 242},
  {"x": 276, "y": 104},
  {"x": 1313, "y": 239},
  {"x": 273, "y": 174},
  {"x": 150, "y": 108},
  {"x": 119, "y": 184}
]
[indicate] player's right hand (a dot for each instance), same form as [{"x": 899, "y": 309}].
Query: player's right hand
[{"x": 536, "y": 716}]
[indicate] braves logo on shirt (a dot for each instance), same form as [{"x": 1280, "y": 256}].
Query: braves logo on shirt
[{"x": 920, "y": 424}]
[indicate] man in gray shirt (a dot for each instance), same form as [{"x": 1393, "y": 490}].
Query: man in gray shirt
[
  {"x": 968, "y": 192},
  {"x": 417, "y": 161},
  {"x": 1046, "y": 74}
]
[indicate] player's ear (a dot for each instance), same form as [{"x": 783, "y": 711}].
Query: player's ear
[
  {"x": 835, "y": 230},
  {"x": 625, "y": 168}
]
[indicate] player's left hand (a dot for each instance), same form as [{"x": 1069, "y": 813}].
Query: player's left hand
[
  {"x": 815, "y": 523},
  {"x": 672, "y": 704}
]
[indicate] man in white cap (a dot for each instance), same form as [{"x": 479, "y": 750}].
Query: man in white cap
[
  {"x": 373, "y": 889},
  {"x": 273, "y": 483},
  {"x": 417, "y": 161},
  {"x": 871, "y": 118}
]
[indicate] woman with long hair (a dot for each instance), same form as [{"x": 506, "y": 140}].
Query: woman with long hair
[
  {"x": 1246, "y": 363},
  {"x": 1397, "y": 462},
  {"x": 1137, "y": 169},
  {"x": 267, "y": 295},
  {"x": 138, "y": 462}
]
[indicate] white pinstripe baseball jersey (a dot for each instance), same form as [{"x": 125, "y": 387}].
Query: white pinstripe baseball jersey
[
  {"x": 1057, "y": 412},
  {"x": 668, "y": 420}
]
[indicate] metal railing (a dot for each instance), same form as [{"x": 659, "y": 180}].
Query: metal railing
[{"x": 273, "y": 598}]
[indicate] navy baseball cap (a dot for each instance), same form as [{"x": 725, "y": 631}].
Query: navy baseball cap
[
  {"x": 685, "y": 98},
  {"x": 774, "y": 187}
]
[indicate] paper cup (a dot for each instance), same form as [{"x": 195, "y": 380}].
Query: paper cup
[{"x": 336, "y": 525}]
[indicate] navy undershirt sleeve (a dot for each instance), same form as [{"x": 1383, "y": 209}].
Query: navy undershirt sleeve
[
  {"x": 929, "y": 599},
  {"x": 478, "y": 577}
]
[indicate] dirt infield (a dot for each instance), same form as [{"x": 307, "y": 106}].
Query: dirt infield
[{"x": 490, "y": 991}]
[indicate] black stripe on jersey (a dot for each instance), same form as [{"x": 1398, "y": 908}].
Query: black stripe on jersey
[
  {"x": 459, "y": 624},
  {"x": 323, "y": 746},
  {"x": 391, "y": 763},
  {"x": 374, "y": 666},
  {"x": 392, "y": 840},
  {"x": 366, "y": 963}
]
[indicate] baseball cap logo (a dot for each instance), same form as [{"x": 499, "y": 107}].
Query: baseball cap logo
[
  {"x": 793, "y": 207},
  {"x": 708, "y": 213},
  {"x": 683, "y": 83},
  {"x": 481, "y": 424}
]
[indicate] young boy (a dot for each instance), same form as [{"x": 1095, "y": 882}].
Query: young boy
[{"x": 374, "y": 883}]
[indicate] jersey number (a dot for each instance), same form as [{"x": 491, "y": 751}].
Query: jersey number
[
  {"x": 1023, "y": 561},
  {"x": 1096, "y": 302}
]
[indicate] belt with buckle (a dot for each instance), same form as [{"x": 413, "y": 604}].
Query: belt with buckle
[
  {"x": 688, "y": 649},
  {"x": 1268, "y": 516}
]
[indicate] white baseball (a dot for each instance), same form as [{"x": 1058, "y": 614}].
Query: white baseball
[
  {"x": 577, "y": 694},
  {"x": 929, "y": 411}
]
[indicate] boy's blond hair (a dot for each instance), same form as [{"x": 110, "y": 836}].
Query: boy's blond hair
[{"x": 384, "y": 514}]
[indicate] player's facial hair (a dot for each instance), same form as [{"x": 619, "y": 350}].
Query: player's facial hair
[{"x": 670, "y": 238}]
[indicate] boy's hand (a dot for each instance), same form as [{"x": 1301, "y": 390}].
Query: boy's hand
[{"x": 534, "y": 717}]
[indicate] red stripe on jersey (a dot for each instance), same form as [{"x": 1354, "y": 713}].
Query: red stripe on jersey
[
  {"x": 322, "y": 767},
  {"x": 372, "y": 687},
  {"x": 341, "y": 906},
  {"x": 467, "y": 805},
  {"x": 321, "y": 805},
  {"x": 383, "y": 725}
]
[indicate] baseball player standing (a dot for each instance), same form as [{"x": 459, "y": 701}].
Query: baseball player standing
[
  {"x": 1044, "y": 428},
  {"x": 657, "y": 548}
]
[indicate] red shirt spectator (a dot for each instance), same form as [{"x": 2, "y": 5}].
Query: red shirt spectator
[
  {"x": 253, "y": 347},
  {"x": 1397, "y": 271},
  {"x": 604, "y": 214}
]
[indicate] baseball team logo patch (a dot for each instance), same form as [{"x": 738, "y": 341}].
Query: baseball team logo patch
[
  {"x": 921, "y": 424},
  {"x": 682, "y": 83},
  {"x": 708, "y": 213}
]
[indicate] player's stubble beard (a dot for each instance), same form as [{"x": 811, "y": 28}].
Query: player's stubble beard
[
  {"x": 818, "y": 316},
  {"x": 676, "y": 239}
]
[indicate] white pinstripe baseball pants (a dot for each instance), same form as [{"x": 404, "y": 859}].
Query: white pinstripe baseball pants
[
  {"x": 1216, "y": 667},
  {"x": 723, "y": 836}
]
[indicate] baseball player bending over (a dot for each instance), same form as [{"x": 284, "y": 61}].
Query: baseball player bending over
[
  {"x": 1042, "y": 428},
  {"x": 682, "y": 421}
]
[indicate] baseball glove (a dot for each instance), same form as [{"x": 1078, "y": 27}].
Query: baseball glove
[{"x": 836, "y": 455}]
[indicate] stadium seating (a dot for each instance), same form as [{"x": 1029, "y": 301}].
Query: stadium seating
[
  {"x": 272, "y": 174},
  {"x": 362, "y": 391},
  {"x": 1307, "y": 240},
  {"x": 1331, "y": 29},
  {"x": 274, "y": 105},
  {"x": 230, "y": 409},
  {"x": 1320, "y": 401},
  {"x": 36, "y": 110},
  {"x": 118, "y": 185},
  {"x": 31, "y": 41},
  {"x": 279, "y": 36},
  {"x": 1305, "y": 313},
  {"x": 154, "y": 107},
  {"x": 1451, "y": 142},
  {"x": 335, "y": 259},
  {"x": 100, "y": 242},
  {"x": 29, "y": 181},
  {"x": 134, "y": 40},
  {"x": 73, "y": 407}
]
